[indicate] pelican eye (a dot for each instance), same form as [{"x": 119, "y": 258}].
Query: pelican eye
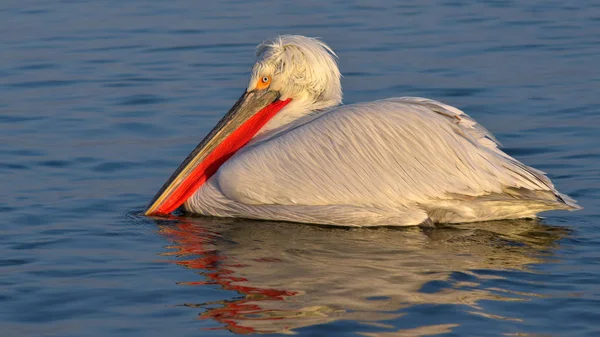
[{"x": 263, "y": 83}]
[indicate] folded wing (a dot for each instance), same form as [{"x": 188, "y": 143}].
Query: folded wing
[{"x": 400, "y": 153}]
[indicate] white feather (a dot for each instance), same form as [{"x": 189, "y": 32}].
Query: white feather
[{"x": 400, "y": 161}]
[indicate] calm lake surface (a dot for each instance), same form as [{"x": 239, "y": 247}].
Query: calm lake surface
[{"x": 101, "y": 100}]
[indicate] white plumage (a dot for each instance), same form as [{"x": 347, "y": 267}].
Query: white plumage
[{"x": 400, "y": 161}]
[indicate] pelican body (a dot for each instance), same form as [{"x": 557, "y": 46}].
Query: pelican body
[{"x": 289, "y": 151}]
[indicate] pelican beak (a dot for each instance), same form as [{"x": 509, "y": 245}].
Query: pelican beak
[{"x": 247, "y": 116}]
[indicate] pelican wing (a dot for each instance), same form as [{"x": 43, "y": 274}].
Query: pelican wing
[{"x": 396, "y": 154}]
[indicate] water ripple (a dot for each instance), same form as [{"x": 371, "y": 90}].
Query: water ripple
[{"x": 104, "y": 99}]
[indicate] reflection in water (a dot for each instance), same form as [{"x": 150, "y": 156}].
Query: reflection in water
[{"x": 292, "y": 275}]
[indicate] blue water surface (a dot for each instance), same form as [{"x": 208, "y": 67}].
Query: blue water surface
[{"x": 101, "y": 100}]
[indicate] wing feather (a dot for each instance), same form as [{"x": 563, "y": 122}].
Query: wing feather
[{"x": 395, "y": 152}]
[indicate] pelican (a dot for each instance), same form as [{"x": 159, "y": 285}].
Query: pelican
[{"x": 288, "y": 150}]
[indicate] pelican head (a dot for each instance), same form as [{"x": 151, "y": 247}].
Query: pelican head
[
  {"x": 298, "y": 67},
  {"x": 293, "y": 75}
]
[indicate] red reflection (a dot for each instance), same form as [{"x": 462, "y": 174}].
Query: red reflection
[{"x": 196, "y": 242}]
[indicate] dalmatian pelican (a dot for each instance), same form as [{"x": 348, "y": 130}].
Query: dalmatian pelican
[{"x": 288, "y": 150}]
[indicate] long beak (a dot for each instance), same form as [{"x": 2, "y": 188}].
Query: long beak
[{"x": 247, "y": 116}]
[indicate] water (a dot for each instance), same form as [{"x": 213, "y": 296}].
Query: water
[{"x": 101, "y": 100}]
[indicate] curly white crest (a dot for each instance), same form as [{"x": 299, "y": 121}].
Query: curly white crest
[{"x": 302, "y": 68}]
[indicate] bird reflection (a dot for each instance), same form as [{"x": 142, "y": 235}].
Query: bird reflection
[{"x": 292, "y": 275}]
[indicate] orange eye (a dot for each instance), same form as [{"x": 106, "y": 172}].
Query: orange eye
[{"x": 263, "y": 82}]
